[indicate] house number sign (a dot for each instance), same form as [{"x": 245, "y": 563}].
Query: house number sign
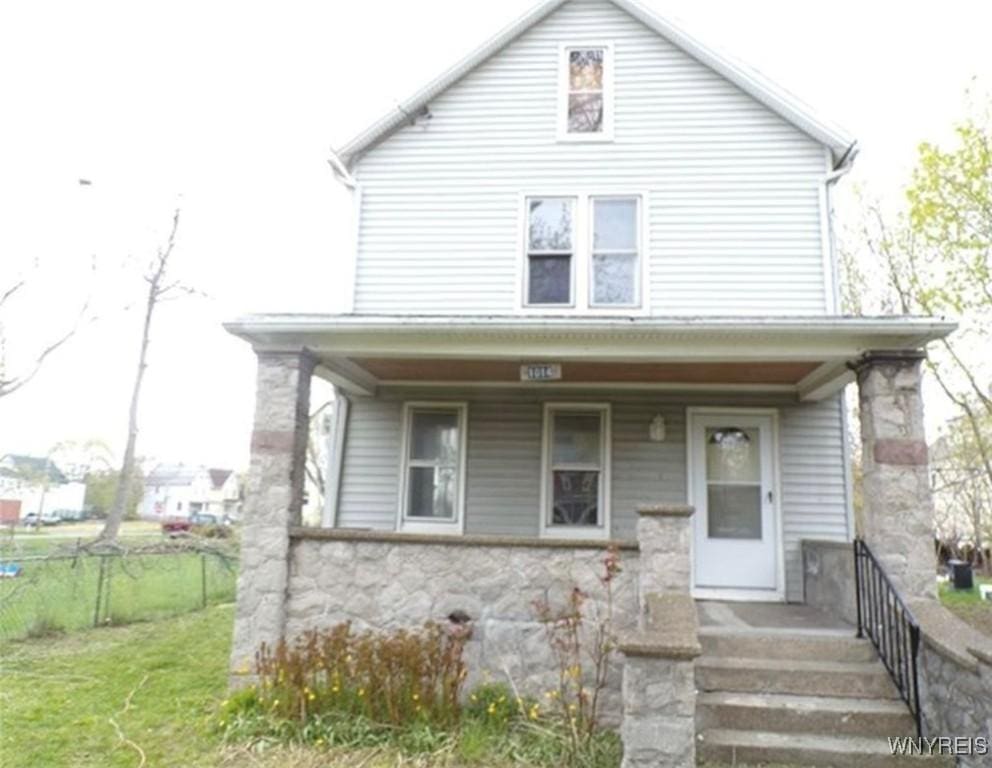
[{"x": 540, "y": 372}]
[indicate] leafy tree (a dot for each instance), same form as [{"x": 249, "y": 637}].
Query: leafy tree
[
  {"x": 935, "y": 258},
  {"x": 962, "y": 489},
  {"x": 101, "y": 490}
]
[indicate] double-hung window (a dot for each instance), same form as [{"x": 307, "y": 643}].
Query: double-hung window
[
  {"x": 583, "y": 252},
  {"x": 615, "y": 252},
  {"x": 575, "y": 491},
  {"x": 433, "y": 481},
  {"x": 550, "y": 251}
]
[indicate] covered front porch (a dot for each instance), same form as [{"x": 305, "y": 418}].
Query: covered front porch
[
  {"x": 482, "y": 464},
  {"x": 563, "y": 427}
]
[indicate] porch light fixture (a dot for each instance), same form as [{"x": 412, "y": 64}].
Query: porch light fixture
[
  {"x": 729, "y": 437},
  {"x": 657, "y": 429}
]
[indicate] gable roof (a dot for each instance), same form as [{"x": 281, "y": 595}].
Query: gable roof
[
  {"x": 173, "y": 474},
  {"x": 31, "y": 469},
  {"x": 778, "y": 100},
  {"x": 218, "y": 477}
]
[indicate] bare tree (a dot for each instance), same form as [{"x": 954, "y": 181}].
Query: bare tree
[
  {"x": 10, "y": 382},
  {"x": 160, "y": 288}
]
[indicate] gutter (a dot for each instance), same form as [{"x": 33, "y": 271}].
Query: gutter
[
  {"x": 844, "y": 165},
  {"x": 341, "y": 172}
]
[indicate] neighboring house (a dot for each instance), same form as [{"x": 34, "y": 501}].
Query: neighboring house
[
  {"x": 39, "y": 485},
  {"x": 178, "y": 490},
  {"x": 595, "y": 300}
]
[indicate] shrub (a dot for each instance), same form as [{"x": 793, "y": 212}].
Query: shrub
[
  {"x": 396, "y": 678},
  {"x": 582, "y": 653}
]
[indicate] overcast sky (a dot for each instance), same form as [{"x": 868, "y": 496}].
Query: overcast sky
[{"x": 228, "y": 108}]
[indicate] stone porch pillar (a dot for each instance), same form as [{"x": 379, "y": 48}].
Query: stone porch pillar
[
  {"x": 898, "y": 506},
  {"x": 664, "y": 537},
  {"x": 273, "y": 500}
]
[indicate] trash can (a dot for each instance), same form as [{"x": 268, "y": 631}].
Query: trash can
[{"x": 961, "y": 574}]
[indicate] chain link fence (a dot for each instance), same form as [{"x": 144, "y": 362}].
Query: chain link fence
[{"x": 45, "y": 594}]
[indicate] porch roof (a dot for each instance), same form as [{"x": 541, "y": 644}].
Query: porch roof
[{"x": 807, "y": 356}]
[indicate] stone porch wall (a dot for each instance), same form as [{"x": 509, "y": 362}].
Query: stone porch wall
[
  {"x": 955, "y": 669},
  {"x": 386, "y": 580}
]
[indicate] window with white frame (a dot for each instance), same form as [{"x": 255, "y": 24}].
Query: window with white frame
[
  {"x": 576, "y": 470},
  {"x": 615, "y": 252},
  {"x": 583, "y": 252},
  {"x": 433, "y": 479},
  {"x": 550, "y": 251},
  {"x": 586, "y": 98}
]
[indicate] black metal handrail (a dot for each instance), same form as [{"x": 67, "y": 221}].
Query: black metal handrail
[{"x": 890, "y": 625}]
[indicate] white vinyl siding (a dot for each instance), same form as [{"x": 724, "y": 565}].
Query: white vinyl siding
[
  {"x": 733, "y": 216},
  {"x": 814, "y": 483},
  {"x": 503, "y": 478}
]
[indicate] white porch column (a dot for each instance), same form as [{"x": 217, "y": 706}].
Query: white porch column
[
  {"x": 273, "y": 500},
  {"x": 898, "y": 506}
]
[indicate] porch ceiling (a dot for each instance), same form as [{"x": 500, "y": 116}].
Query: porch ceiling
[
  {"x": 806, "y": 356},
  {"x": 388, "y": 370}
]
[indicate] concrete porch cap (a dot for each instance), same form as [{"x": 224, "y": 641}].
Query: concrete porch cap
[{"x": 804, "y": 356}]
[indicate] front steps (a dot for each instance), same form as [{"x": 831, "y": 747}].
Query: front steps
[{"x": 798, "y": 698}]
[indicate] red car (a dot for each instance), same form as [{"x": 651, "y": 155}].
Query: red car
[{"x": 176, "y": 526}]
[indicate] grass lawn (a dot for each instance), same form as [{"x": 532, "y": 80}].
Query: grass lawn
[
  {"x": 969, "y": 604},
  {"x": 161, "y": 683},
  {"x": 59, "y": 695},
  {"x": 19, "y": 541},
  {"x": 56, "y": 595}
]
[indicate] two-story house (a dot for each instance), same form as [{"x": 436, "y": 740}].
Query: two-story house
[
  {"x": 595, "y": 300},
  {"x": 183, "y": 491}
]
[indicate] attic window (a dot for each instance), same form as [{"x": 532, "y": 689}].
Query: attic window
[{"x": 585, "y": 98}]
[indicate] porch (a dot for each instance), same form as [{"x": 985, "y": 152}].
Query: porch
[
  {"x": 498, "y": 527},
  {"x": 562, "y": 427}
]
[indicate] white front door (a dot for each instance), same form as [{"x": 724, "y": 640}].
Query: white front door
[{"x": 732, "y": 461}]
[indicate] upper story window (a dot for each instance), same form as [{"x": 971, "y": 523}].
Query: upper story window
[
  {"x": 615, "y": 254},
  {"x": 586, "y": 93},
  {"x": 550, "y": 239},
  {"x": 583, "y": 252}
]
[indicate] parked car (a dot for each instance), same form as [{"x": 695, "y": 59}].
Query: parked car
[
  {"x": 204, "y": 518},
  {"x": 177, "y": 526},
  {"x": 30, "y": 520},
  {"x": 50, "y": 518},
  {"x": 71, "y": 515}
]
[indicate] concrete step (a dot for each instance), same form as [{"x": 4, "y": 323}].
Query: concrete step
[
  {"x": 859, "y": 680},
  {"x": 761, "y": 747},
  {"x": 786, "y": 644},
  {"x": 803, "y": 714}
]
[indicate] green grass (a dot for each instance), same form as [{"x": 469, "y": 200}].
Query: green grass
[
  {"x": 968, "y": 604},
  {"x": 60, "y": 595},
  {"x": 163, "y": 684},
  {"x": 58, "y": 696}
]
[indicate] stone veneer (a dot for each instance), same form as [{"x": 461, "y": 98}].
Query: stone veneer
[
  {"x": 658, "y": 727},
  {"x": 273, "y": 495},
  {"x": 383, "y": 580},
  {"x": 898, "y": 516},
  {"x": 664, "y": 534},
  {"x": 955, "y": 669}
]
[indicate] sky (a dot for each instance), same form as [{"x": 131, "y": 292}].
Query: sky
[{"x": 226, "y": 110}]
